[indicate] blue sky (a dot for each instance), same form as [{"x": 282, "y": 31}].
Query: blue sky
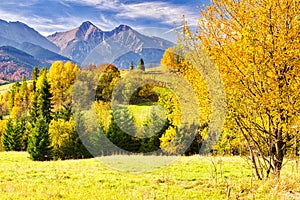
[{"x": 154, "y": 17}]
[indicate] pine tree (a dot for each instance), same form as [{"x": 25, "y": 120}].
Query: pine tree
[
  {"x": 131, "y": 65},
  {"x": 11, "y": 138},
  {"x": 34, "y": 77},
  {"x": 121, "y": 133},
  {"x": 39, "y": 142},
  {"x": 44, "y": 99},
  {"x": 153, "y": 130},
  {"x": 14, "y": 90},
  {"x": 34, "y": 112},
  {"x": 141, "y": 65},
  {"x": 40, "y": 118}
]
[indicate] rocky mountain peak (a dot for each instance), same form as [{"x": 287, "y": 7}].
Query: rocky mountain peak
[
  {"x": 85, "y": 26},
  {"x": 88, "y": 31},
  {"x": 122, "y": 28}
]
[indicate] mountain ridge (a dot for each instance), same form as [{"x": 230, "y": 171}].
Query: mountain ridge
[
  {"x": 20, "y": 32},
  {"x": 88, "y": 44},
  {"x": 83, "y": 45}
]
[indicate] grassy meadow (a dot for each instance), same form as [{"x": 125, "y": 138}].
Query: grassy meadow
[
  {"x": 186, "y": 178},
  {"x": 7, "y": 87},
  {"x": 4, "y": 88}
]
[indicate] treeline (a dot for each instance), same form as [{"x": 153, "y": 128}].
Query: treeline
[
  {"x": 118, "y": 124},
  {"x": 38, "y": 116}
]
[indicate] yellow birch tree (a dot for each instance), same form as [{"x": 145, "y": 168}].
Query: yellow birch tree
[{"x": 256, "y": 45}]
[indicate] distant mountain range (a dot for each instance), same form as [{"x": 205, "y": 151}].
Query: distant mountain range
[
  {"x": 22, "y": 48},
  {"x": 88, "y": 44}
]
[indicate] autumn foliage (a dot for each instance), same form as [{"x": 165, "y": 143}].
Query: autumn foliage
[{"x": 256, "y": 46}]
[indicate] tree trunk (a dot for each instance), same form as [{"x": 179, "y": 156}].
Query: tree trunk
[{"x": 278, "y": 158}]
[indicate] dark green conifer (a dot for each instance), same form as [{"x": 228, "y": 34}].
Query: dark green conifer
[
  {"x": 12, "y": 136},
  {"x": 141, "y": 65},
  {"x": 39, "y": 143}
]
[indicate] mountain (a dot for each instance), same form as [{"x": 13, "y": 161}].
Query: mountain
[
  {"x": 19, "y": 32},
  {"x": 14, "y": 63},
  {"x": 79, "y": 42},
  {"x": 150, "y": 56},
  {"x": 124, "y": 40},
  {"x": 17, "y": 62},
  {"x": 88, "y": 44},
  {"x": 44, "y": 55},
  {"x": 8, "y": 42},
  {"x": 22, "y": 48}
]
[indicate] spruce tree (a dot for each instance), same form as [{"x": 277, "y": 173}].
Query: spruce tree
[
  {"x": 153, "y": 130},
  {"x": 33, "y": 113},
  {"x": 40, "y": 117},
  {"x": 39, "y": 143},
  {"x": 141, "y": 65},
  {"x": 7, "y": 140},
  {"x": 24, "y": 89},
  {"x": 131, "y": 65},
  {"x": 34, "y": 110},
  {"x": 14, "y": 90},
  {"x": 34, "y": 77},
  {"x": 20, "y": 129},
  {"x": 121, "y": 133},
  {"x": 12, "y": 136},
  {"x": 44, "y": 99}
]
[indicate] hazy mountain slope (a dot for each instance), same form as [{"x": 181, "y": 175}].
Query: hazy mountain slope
[
  {"x": 41, "y": 53},
  {"x": 150, "y": 56},
  {"x": 8, "y": 42},
  {"x": 20, "y": 32},
  {"x": 14, "y": 63}
]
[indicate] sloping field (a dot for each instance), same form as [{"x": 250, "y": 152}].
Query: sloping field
[{"x": 185, "y": 178}]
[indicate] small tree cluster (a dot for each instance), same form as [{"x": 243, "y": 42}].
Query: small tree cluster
[{"x": 13, "y": 136}]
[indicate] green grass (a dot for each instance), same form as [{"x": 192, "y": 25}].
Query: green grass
[
  {"x": 141, "y": 112},
  {"x": 5, "y": 88},
  {"x": 186, "y": 178}
]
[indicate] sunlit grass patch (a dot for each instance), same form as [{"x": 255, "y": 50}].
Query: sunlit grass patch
[
  {"x": 141, "y": 112},
  {"x": 195, "y": 177},
  {"x": 137, "y": 163}
]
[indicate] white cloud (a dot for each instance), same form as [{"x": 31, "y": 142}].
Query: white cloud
[
  {"x": 44, "y": 26},
  {"x": 165, "y": 33},
  {"x": 106, "y": 14},
  {"x": 162, "y": 11},
  {"x": 105, "y": 22},
  {"x": 100, "y": 4},
  {"x": 21, "y": 3}
]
